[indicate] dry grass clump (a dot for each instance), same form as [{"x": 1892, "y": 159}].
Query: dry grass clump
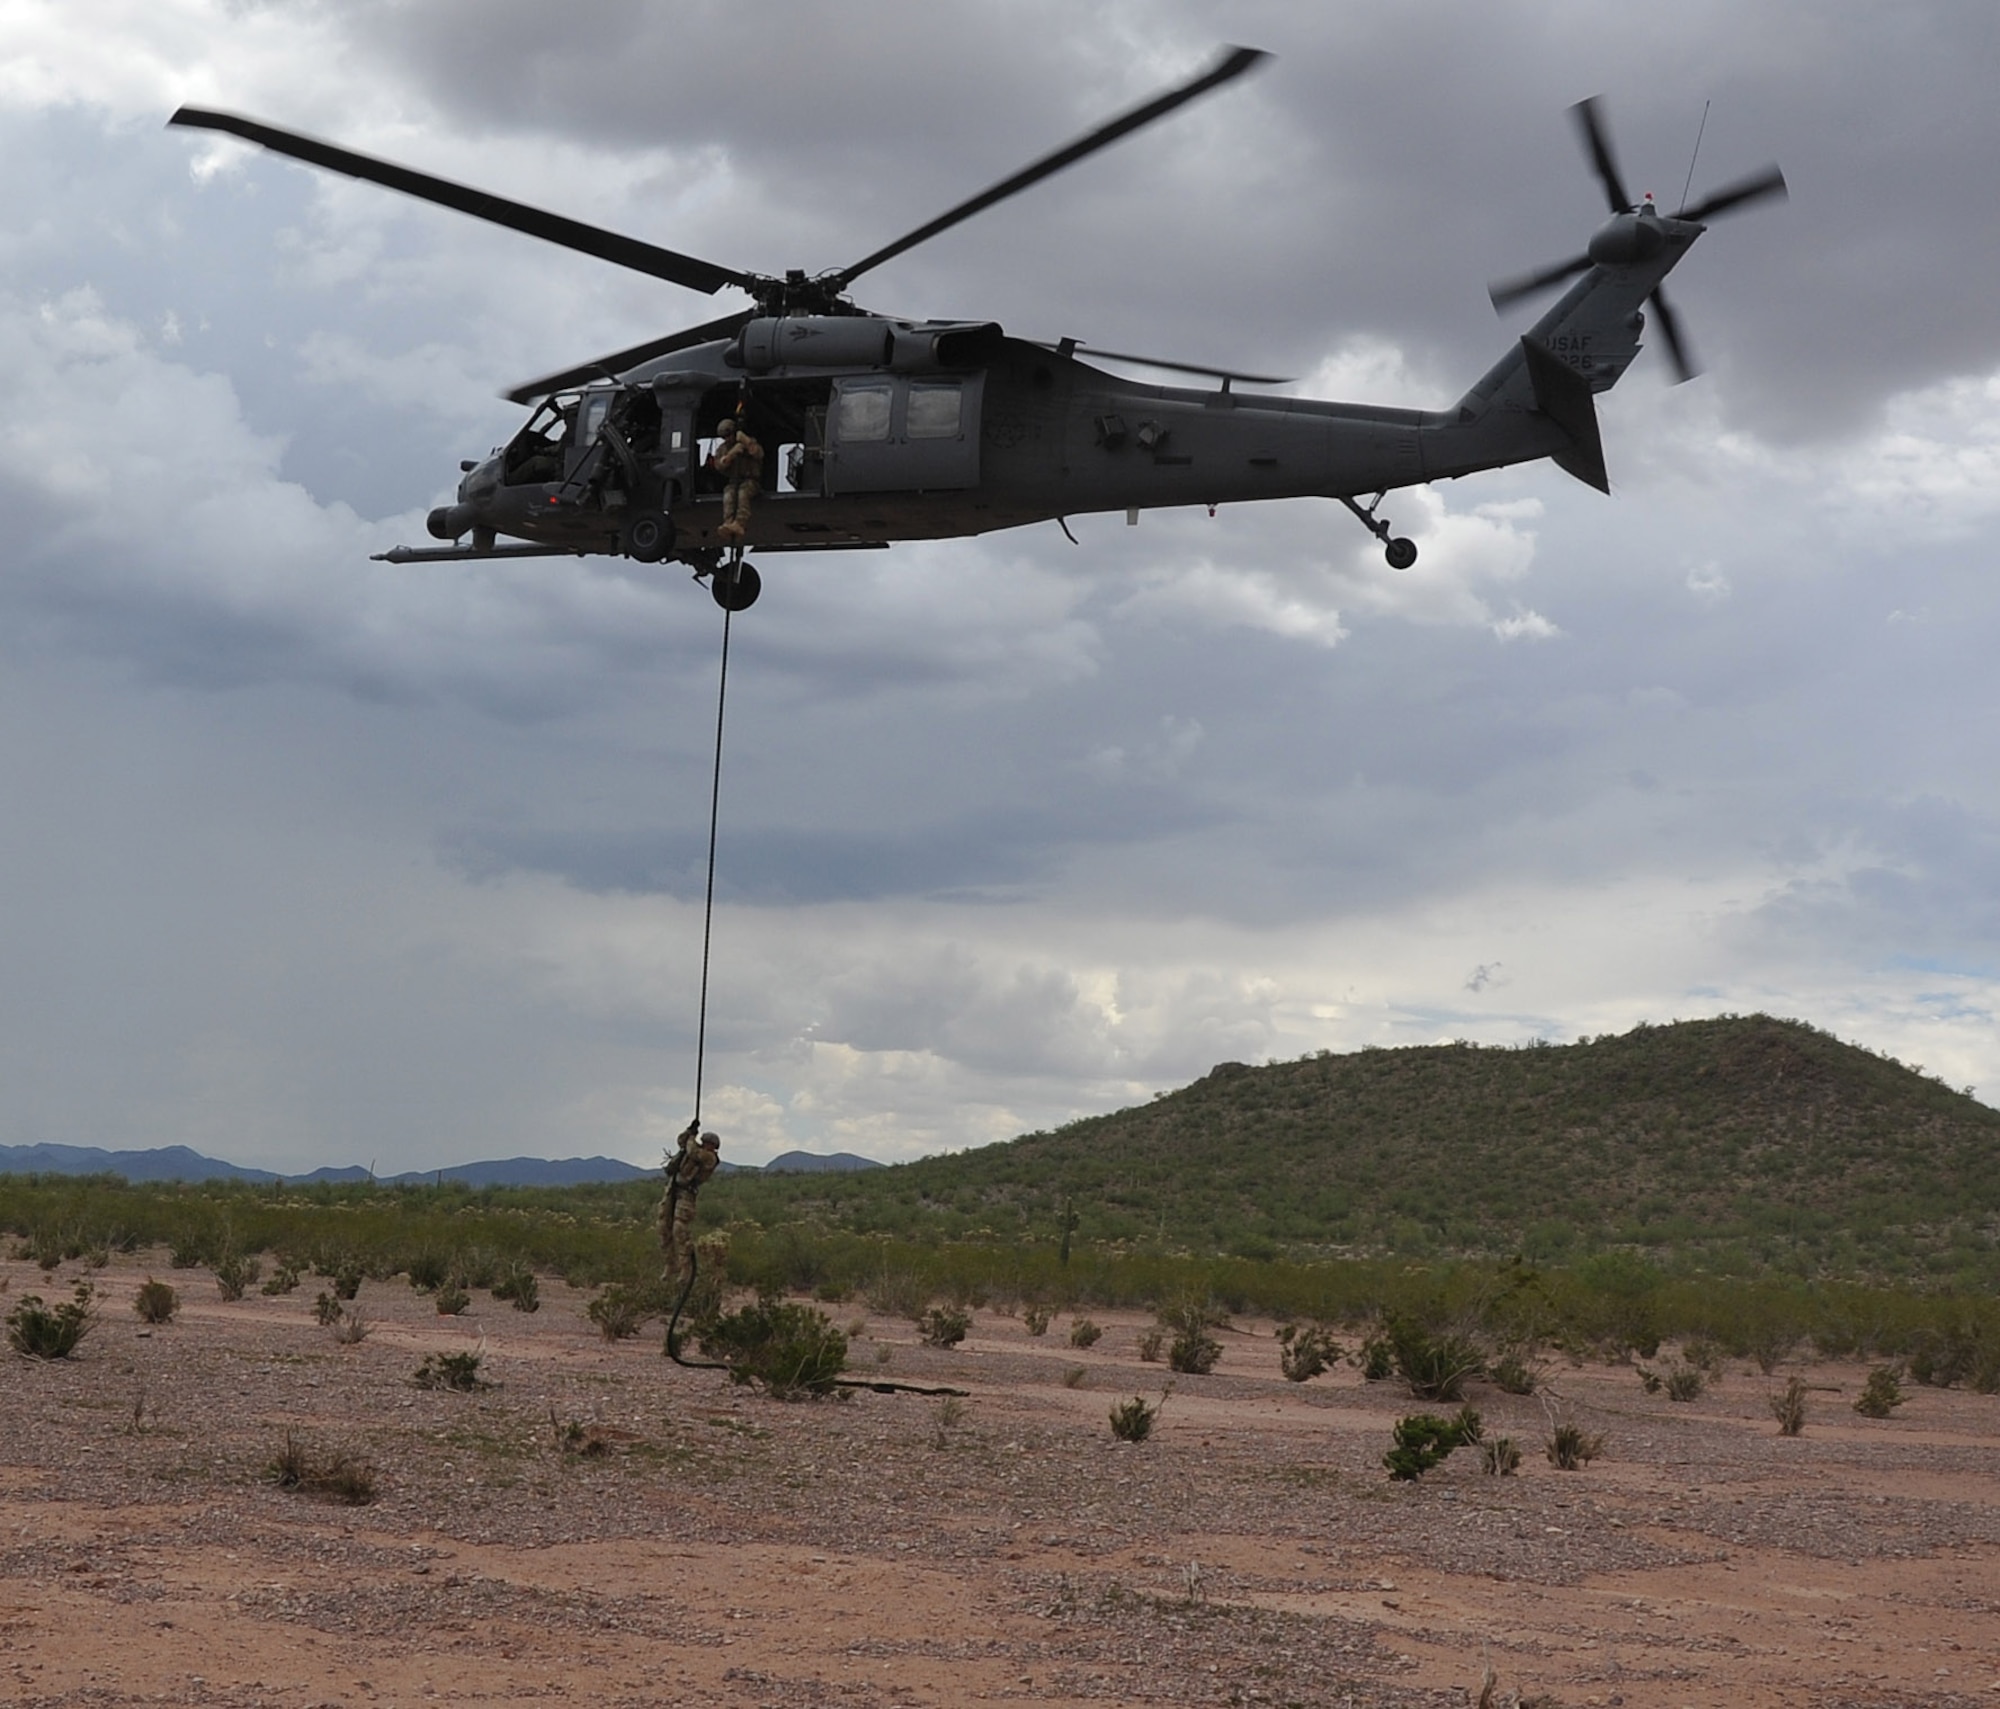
[
  {"x": 331, "y": 1477},
  {"x": 156, "y": 1302},
  {"x": 1789, "y": 1408}
]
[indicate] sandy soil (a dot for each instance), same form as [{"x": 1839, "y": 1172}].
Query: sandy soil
[{"x": 724, "y": 1548}]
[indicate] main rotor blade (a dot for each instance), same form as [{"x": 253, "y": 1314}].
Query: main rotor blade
[
  {"x": 688, "y": 270},
  {"x": 607, "y": 367},
  {"x": 1670, "y": 329},
  {"x": 1233, "y": 63},
  {"x": 1598, "y": 143},
  {"x": 1506, "y": 291},
  {"x": 1769, "y": 182}
]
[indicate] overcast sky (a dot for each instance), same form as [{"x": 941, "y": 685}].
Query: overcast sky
[{"x": 308, "y": 860}]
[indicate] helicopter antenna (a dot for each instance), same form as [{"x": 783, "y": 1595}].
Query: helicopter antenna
[{"x": 1688, "y": 188}]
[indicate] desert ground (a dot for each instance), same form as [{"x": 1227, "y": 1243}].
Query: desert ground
[{"x": 600, "y": 1526}]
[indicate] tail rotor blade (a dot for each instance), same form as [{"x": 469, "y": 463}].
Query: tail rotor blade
[
  {"x": 1507, "y": 291},
  {"x": 1769, "y": 182},
  {"x": 1597, "y": 143}
]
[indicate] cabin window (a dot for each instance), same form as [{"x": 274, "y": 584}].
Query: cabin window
[
  {"x": 934, "y": 409},
  {"x": 596, "y": 406},
  {"x": 863, "y": 412}
]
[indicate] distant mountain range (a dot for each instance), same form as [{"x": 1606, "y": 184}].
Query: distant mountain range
[{"x": 178, "y": 1163}]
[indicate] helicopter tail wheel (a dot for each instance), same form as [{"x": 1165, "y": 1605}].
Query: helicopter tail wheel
[
  {"x": 1400, "y": 552},
  {"x": 649, "y": 537},
  {"x": 735, "y": 587}
]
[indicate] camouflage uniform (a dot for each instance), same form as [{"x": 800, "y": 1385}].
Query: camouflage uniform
[
  {"x": 692, "y": 1165},
  {"x": 739, "y": 459}
]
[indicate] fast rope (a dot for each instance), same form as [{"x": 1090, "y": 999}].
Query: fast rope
[{"x": 701, "y": 1054}]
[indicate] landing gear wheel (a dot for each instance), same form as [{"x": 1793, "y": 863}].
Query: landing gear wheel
[
  {"x": 735, "y": 587},
  {"x": 649, "y": 537},
  {"x": 1400, "y": 552}
]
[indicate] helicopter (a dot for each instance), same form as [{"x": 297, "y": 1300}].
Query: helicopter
[{"x": 887, "y": 429}]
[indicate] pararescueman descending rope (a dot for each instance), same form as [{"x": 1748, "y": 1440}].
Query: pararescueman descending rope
[{"x": 698, "y": 1153}]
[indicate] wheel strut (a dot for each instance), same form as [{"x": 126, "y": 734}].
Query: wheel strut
[{"x": 1398, "y": 549}]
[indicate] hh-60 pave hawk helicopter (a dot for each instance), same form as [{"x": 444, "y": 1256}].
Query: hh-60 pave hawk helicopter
[{"x": 892, "y": 429}]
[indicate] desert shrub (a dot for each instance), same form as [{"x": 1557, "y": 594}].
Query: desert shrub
[
  {"x": 459, "y": 1371},
  {"x": 284, "y": 1278},
  {"x": 1084, "y": 1333},
  {"x": 452, "y": 1300},
  {"x": 621, "y": 1310},
  {"x": 1789, "y": 1408},
  {"x": 350, "y": 1329},
  {"x": 1881, "y": 1394},
  {"x": 333, "y": 1477},
  {"x": 1423, "y": 1440},
  {"x": 1703, "y": 1354},
  {"x": 897, "y": 1293},
  {"x": 830, "y": 1292},
  {"x": 1570, "y": 1447},
  {"x": 327, "y": 1308},
  {"x": 519, "y": 1286},
  {"x": 347, "y": 1279},
  {"x": 1500, "y": 1458},
  {"x": 189, "y": 1251},
  {"x": 1132, "y": 1420},
  {"x": 429, "y": 1271},
  {"x": 792, "y": 1351},
  {"x": 1151, "y": 1342},
  {"x": 1685, "y": 1382},
  {"x": 479, "y": 1267},
  {"x": 1304, "y": 1352},
  {"x": 43, "y": 1331},
  {"x": 156, "y": 1302},
  {"x": 1436, "y": 1364},
  {"x": 1985, "y": 1374},
  {"x": 234, "y": 1273},
  {"x": 1193, "y": 1352},
  {"x": 943, "y": 1326},
  {"x": 1037, "y": 1318},
  {"x": 1377, "y": 1358},
  {"x": 1073, "y": 1378},
  {"x": 1649, "y": 1380},
  {"x": 1512, "y": 1374}
]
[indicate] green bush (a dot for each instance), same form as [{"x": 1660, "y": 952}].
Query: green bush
[
  {"x": 792, "y": 1351},
  {"x": 518, "y": 1285},
  {"x": 452, "y": 1300},
  {"x": 327, "y": 1308},
  {"x": 1151, "y": 1342},
  {"x": 1435, "y": 1364},
  {"x": 429, "y": 1271},
  {"x": 1512, "y": 1374},
  {"x": 1132, "y": 1420},
  {"x": 1685, "y": 1382},
  {"x": 1378, "y": 1358},
  {"x": 459, "y": 1371},
  {"x": 944, "y": 1326},
  {"x": 1193, "y": 1353},
  {"x": 234, "y": 1273},
  {"x": 1789, "y": 1408},
  {"x": 1423, "y": 1440},
  {"x": 1084, "y": 1333},
  {"x": 42, "y": 1331},
  {"x": 1305, "y": 1351},
  {"x": 1570, "y": 1447},
  {"x": 284, "y": 1279},
  {"x": 622, "y": 1309},
  {"x": 1881, "y": 1394},
  {"x": 156, "y": 1302}
]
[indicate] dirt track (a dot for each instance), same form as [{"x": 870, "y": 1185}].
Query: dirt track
[{"x": 727, "y": 1549}]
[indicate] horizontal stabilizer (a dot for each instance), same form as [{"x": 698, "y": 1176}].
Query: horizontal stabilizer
[{"x": 1564, "y": 396}]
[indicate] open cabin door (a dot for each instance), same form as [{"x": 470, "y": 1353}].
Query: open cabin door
[{"x": 903, "y": 433}]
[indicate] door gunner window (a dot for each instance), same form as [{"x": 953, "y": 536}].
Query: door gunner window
[
  {"x": 933, "y": 411},
  {"x": 863, "y": 412}
]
